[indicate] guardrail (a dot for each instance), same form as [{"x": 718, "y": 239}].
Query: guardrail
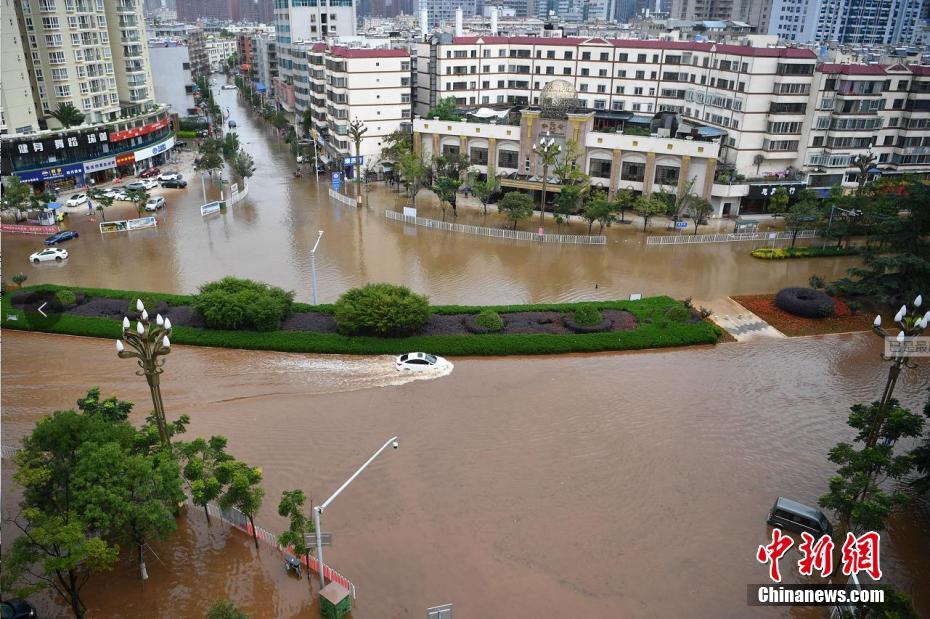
[
  {"x": 342, "y": 199},
  {"x": 733, "y": 237},
  {"x": 16, "y": 228},
  {"x": 499, "y": 233}
]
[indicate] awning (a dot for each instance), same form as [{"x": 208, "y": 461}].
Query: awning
[
  {"x": 489, "y": 113},
  {"x": 260, "y": 87}
]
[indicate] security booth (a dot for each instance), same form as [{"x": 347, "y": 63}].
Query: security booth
[{"x": 335, "y": 601}]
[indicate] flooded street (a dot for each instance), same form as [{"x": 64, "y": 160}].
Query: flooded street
[
  {"x": 268, "y": 237},
  {"x": 620, "y": 485}
]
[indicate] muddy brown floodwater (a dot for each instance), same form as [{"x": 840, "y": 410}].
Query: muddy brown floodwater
[
  {"x": 619, "y": 485},
  {"x": 269, "y": 237}
]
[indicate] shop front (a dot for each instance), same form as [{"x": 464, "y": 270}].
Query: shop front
[
  {"x": 126, "y": 164},
  {"x": 99, "y": 170},
  {"x": 154, "y": 155},
  {"x": 56, "y": 179}
]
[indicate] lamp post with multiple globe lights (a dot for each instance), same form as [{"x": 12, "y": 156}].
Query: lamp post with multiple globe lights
[
  {"x": 148, "y": 343},
  {"x": 911, "y": 325}
]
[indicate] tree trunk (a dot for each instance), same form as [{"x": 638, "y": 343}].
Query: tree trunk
[
  {"x": 77, "y": 607},
  {"x": 622, "y": 213},
  {"x": 794, "y": 237},
  {"x": 514, "y": 225},
  {"x": 254, "y": 532},
  {"x": 542, "y": 202},
  {"x": 309, "y": 580},
  {"x": 206, "y": 513},
  {"x": 590, "y": 225},
  {"x": 645, "y": 223},
  {"x": 143, "y": 572}
]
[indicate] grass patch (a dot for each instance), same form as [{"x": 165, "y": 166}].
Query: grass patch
[
  {"x": 783, "y": 253},
  {"x": 652, "y": 332},
  {"x": 843, "y": 320}
]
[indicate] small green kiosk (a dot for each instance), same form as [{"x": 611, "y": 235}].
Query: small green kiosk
[{"x": 335, "y": 602}]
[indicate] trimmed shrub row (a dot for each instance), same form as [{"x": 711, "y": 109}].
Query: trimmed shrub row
[
  {"x": 644, "y": 336},
  {"x": 782, "y": 253}
]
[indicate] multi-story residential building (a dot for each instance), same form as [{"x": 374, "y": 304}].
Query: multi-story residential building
[
  {"x": 256, "y": 11},
  {"x": 753, "y": 12},
  {"x": 368, "y": 85},
  {"x": 771, "y": 107},
  {"x": 265, "y": 62},
  {"x": 854, "y": 22},
  {"x": 219, "y": 49},
  {"x": 92, "y": 55},
  {"x": 174, "y": 85},
  {"x": 197, "y": 46},
  {"x": 17, "y": 104}
]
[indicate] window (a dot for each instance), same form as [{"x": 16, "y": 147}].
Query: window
[
  {"x": 666, "y": 175},
  {"x": 641, "y": 58},
  {"x": 583, "y": 88},
  {"x": 56, "y": 58},
  {"x": 405, "y": 97},
  {"x": 599, "y": 168},
  {"x": 550, "y": 54},
  {"x": 478, "y": 156},
  {"x": 450, "y": 149},
  {"x": 568, "y": 55},
  {"x": 640, "y": 75},
  {"x": 586, "y": 55},
  {"x": 631, "y": 171},
  {"x": 508, "y": 159},
  {"x": 585, "y": 72},
  {"x": 602, "y": 88}
]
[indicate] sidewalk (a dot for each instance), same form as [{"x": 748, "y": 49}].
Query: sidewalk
[{"x": 738, "y": 321}]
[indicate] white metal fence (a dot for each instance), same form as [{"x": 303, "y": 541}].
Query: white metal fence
[
  {"x": 500, "y": 233},
  {"x": 342, "y": 198},
  {"x": 733, "y": 237}
]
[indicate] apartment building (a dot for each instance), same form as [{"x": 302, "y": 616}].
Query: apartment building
[
  {"x": 92, "y": 55},
  {"x": 17, "y": 105},
  {"x": 173, "y": 82},
  {"x": 368, "y": 85},
  {"x": 754, "y": 12},
  {"x": 218, "y": 50},
  {"x": 264, "y": 59},
  {"x": 442, "y": 12},
  {"x": 854, "y": 22},
  {"x": 197, "y": 45},
  {"x": 778, "y": 113}
]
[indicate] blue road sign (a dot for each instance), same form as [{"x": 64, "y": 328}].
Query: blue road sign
[
  {"x": 337, "y": 180},
  {"x": 681, "y": 224}
]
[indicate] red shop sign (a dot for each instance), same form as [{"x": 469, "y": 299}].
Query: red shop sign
[
  {"x": 116, "y": 136},
  {"x": 125, "y": 159}
]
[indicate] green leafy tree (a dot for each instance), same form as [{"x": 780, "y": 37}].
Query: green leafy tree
[
  {"x": 201, "y": 459},
  {"x": 396, "y": 144},
  {"x": 446, "y": 109},
  {"x": 55, "y": 550},
  {"x": 548, "y": 153},
  {"x": 209, "y": 162},
  {"x": 515, "y": 206},
  {"x": 68, "y": 115},
  {"x": 566, "y": 168},
  {"x": 447, "y": 189},
  {"x": 243, "y": 490},
  {"x": 357, "y": 131},
  {"x": 858, "y": 495},
  {"x": 601, "y": 210},
  {"x": 921, "y": 456},
  {"x": 777, "y": 203},
  {"x": 224, "y": 609},
  {"x": 624, "y": 199},
  {"x": 803, "y": 215},
  {"x": 413, "y": 171},
  {"x": 243, "y": 165},
  {"x": 230, "y": 145},
  {"x": 700, "y": 210},
  {"x": 566, "y": 203},
  {"x": 138, "y": 197},
  {"x": 16, "y": 193},
  {"x": 300, "y": 525},
  {"x": 486, "y": 189},
  {"x": 101, "y": 201},
  {"x": 648, "y": 207}
]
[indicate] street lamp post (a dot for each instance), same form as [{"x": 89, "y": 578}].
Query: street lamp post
[
  {"x": 318, "y": 510},
  {"x": 313, "y": 266},
  {"x": 911, "y": 325},
  {"x": 547, "y": 150},
  {"x": 148, "y": 343},
  {"x": 853, "y": 212}
]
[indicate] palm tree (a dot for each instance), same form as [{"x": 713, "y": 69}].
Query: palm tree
[
  {"x": 68, "y": 115},
  {"x": 548, "y": 152},
  {"x": 758, "y": 160},
  {"x": 864, "y": 163},
  {"x": 356, "y": 130}
]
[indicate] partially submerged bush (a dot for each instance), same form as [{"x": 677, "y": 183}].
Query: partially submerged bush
[
  {"x": 233, "y": 303},
  {"x": 587, "y": 316},
  {"x": 382, "y": 310},
  {"x": 67, "y": 298},
  {"x": 489, "y": 320},
  {"x": 679, "y": 313}
]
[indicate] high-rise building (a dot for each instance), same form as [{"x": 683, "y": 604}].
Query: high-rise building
[
  {"x": 174, "y": 85},
  {"x": 17, "y": 104},
  {"x": 753, "y": 12},
  {"x": 226, "y": 10},
  {"x": 853, "y": 22},
  {"x": 443, "y": 11},
  {"x": 91, "y": 55}
]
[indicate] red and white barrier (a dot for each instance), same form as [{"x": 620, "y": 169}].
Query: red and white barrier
[{"x": 28, "y": 229}]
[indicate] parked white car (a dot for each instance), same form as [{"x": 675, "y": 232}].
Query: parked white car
[
  {"x": 228, "y": 87},
  {"x": 48, "y": 255},
  {"x": 155, "y": 203},
  {"x": 77, "y": 200},
  {"x": 169, "y": 176},
  {"x": 418, "y": 361}
]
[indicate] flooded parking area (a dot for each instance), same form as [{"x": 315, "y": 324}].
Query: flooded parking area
[{"x": 612, "y": 485}]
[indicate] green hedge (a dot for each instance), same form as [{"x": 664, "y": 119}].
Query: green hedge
[
  {"x": 187, "y": 134},
  {"x": 646, "y": 335},
  {"x": 768, "y": 253}
]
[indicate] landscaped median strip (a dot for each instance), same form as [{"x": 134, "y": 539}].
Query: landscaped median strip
[
  {"x": 782, "y": 253},
  {"x": 652, "y": 330}
]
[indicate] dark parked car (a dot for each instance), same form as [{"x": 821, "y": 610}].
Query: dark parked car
[
  {"x": 175, "y": 183},
  {"x": 17, "y": 609},
  {"x": 800, "y": 518},
  {"x": 150, "y": 172},
  {"x": 58, "y": 237}
]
